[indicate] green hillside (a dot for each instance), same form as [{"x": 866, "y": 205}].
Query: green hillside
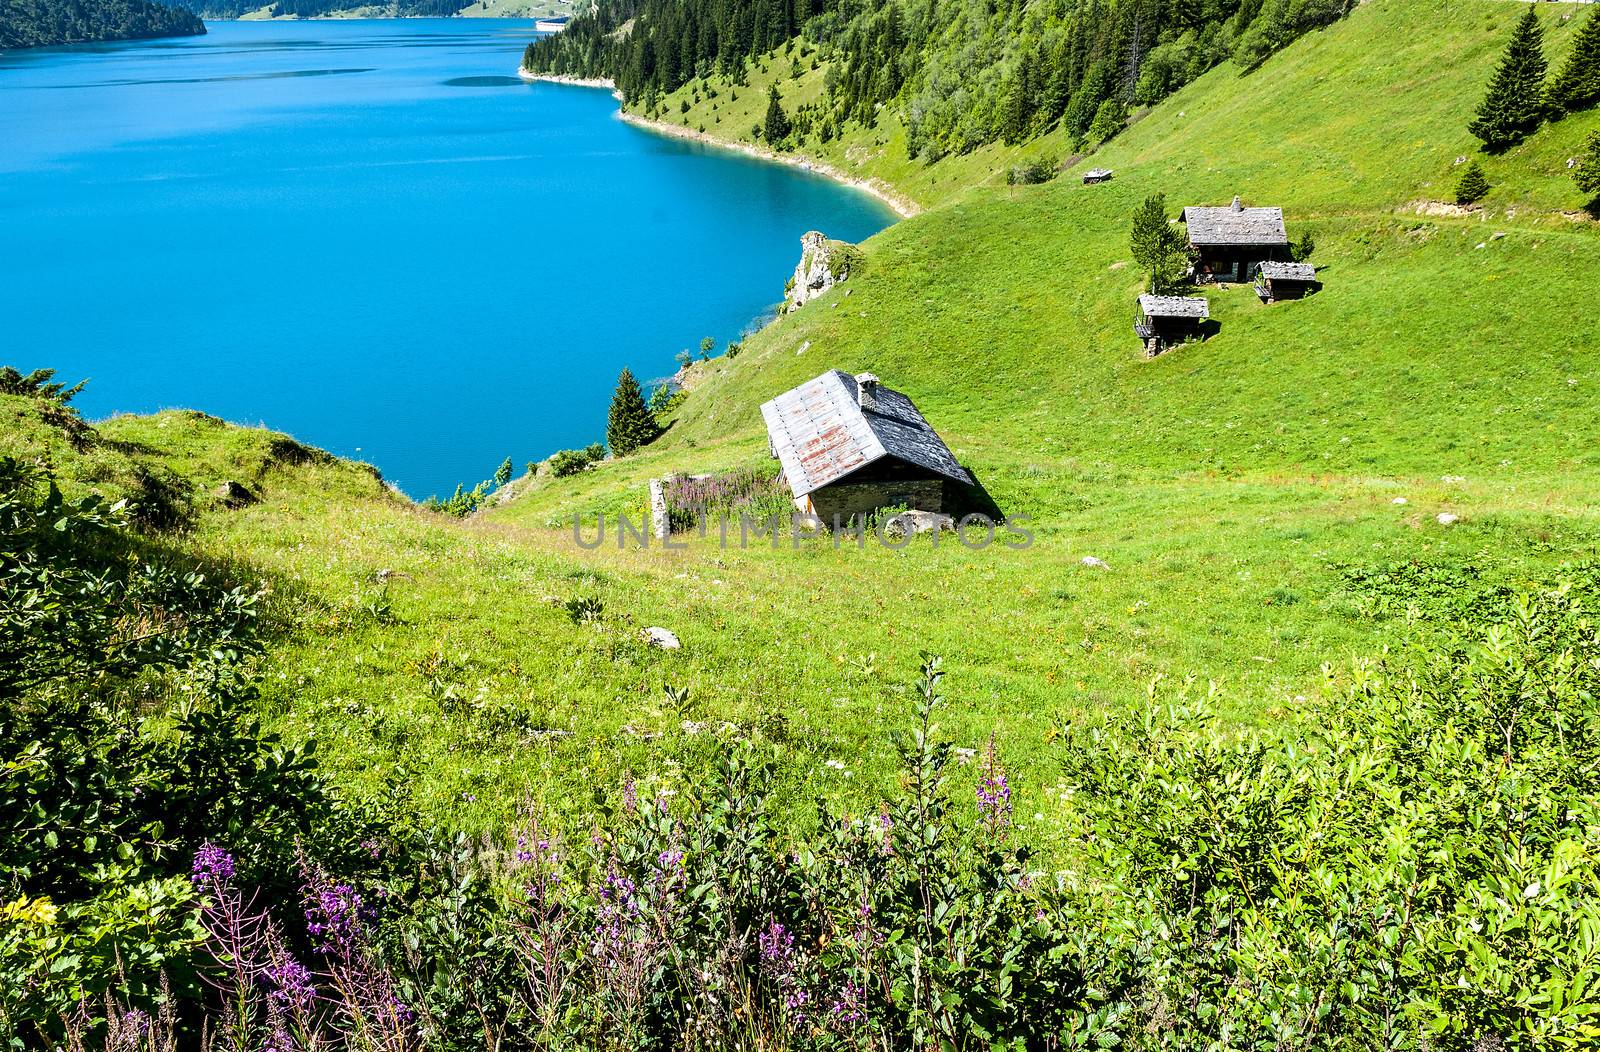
[
  {"x": 44, "y": 23},
  {"x": 1295, "y": 527},
  {"x": 1231, "y": 485}
]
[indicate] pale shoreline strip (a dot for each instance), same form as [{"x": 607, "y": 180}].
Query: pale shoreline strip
[{"x": 902, "y": 206}]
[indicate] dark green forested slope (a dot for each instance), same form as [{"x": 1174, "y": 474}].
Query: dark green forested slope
[
  {"x": 320, "y": 8},
  {"x": 39, "y": 23},
  {"x": 961, "y": 74}
]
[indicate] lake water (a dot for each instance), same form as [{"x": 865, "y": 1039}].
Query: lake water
[{"x": 371, "y": 235}]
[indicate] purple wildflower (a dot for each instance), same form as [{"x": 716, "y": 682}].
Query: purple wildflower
[
  {"x": 630, "y": 796},
  {"x": 212, "y": 866},
  {"x": 777, "y": 948},
  {"x": 994, "y": 793},
  {"x": 291, "y": 984},
  {"x": 333, "y": 917},
  {"x": 849, "y": 1008}
]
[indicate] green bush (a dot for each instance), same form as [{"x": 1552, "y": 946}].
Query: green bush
[
  {"x": 126, "y": 742},
  {"x": 571, "y": 461}
]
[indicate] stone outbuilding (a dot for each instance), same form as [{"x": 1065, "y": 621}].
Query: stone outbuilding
[
  {"x": 1165, "y": 320},
  {"x": 1277, "y": 280},
  {"x": 850, "y": 446},
  {"x": 1228, "y": 242}
]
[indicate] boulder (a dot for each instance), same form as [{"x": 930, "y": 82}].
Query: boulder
[
  {"x": 911, "y": 523},
  {"x": 824, "y": 263},
  {"x": 660, "y": 637},
  {"x": 1091, "y": 561},
  {"x": 1447, "y": 519},
  {"x": 234, "y": 494}
]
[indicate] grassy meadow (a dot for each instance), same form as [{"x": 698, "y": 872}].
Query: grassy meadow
[{"x": 1241, "y": 490}]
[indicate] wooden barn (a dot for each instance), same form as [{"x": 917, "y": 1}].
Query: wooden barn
[
  {"x": 850, "y": 446},
  {"x": 1097, "y": 175},
  {"x": 1228, "y": 242},
  {"x": 1165, "y": 320},
  {"x": 1277, "y": 280}
]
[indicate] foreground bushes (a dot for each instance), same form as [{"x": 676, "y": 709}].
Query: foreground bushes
[{"x": 1415, "y": 870}]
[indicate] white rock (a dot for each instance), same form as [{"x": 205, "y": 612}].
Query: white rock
[
  {"x": 1447, "y": 519},
  {"x": 1481, "y": 245},
  {"x": 1098, "y": 564},
  {"x": 1399, "y": 500},
  {"x": 815, "y": 274},
  {"x": 1447, "y": 479},
  {"x": 660, "y": 637}
]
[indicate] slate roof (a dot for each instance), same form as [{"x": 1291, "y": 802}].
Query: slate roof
[
  {"x": 1097, "y": 173},
  {"x": 1276, "y": 271},
  {"x": 1235, "y": 225},
  {"x": 1174, "y": 306},
  {"x": 821, "y": 433}
]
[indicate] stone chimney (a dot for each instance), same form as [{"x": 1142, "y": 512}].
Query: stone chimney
[
  {"x": 1238, "y": 205},
  {"x": 867, "y": 391}
]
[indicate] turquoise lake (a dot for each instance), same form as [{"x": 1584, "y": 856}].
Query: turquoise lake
[{"x": 371, "y": 235}]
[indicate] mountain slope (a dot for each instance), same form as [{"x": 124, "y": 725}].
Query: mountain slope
[
  {"x": 41, "y": 23},
  {"x": 1242, "y": 491}
]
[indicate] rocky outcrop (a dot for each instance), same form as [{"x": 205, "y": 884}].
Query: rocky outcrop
[{"x": 824, "y": 263}]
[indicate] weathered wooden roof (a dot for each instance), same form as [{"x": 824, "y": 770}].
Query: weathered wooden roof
[
  {"x": 1174, "y": 306},
  {"x": 1276, "y": 271},
  {"x": 821, "y": 434},
  {"x": 1235, "y": 225}
]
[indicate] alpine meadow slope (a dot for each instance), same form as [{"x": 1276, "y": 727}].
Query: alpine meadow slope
[{"x": 1261, "y": 715}]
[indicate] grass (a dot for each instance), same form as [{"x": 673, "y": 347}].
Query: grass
[{"x": 1227, "y": 484}]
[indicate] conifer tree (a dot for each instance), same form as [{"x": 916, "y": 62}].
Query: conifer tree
[
  {"x": 1587, "y": 174},
  {"x": 1515, "y": 105},
  {"x": 1578, "y": 83},
  {"x": 1472, "y": 185},
  {"x": 777, "y": 126},
  {"x": 630, "y": 423},
  {"x": 1156, "y": 246},
  {"x": 1013, "y": 114}
]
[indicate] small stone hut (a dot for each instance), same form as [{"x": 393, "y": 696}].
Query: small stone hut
[
  {"x": 850, "y": 446},
  {"x": 1277, "y": 280},
  {"x": 1228, "y": 242},
  {"x": 1165, "y": 320},
  {"x": 1097, "y": 175}
]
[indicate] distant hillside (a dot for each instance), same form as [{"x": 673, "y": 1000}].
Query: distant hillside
[
  {"x": 321, "y": 8},
  {"x": 958, "y": 75},
  {"x": 41, "y": 23}
]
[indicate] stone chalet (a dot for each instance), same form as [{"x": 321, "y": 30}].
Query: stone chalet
[
  {"x": 850, "y": 446},
  {"x": 1228, "y": 242}
]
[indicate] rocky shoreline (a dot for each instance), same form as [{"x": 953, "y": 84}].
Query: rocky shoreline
[{"x": 898, "y": 203}]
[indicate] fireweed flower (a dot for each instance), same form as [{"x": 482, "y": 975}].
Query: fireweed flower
[
  {"x": 333, "y": 916},
  {"x": 212, "y": 866},
  {"x": 994, "y": 793},
  {"x": 290, "y": 984},
  {"x": 777, "y": 949},
  {"x": 849, "y": 1009}
]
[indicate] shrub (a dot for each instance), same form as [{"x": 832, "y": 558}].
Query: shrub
[
  {"x": 1038, "y": 170},
  {"x": 126, "y": 742},
  {"x": 758, "y": 495},
  {"x": 571, "y": 461}
]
